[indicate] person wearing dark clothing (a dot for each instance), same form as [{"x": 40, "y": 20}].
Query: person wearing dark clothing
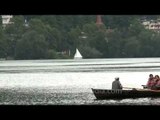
[{"x": 116, "y": 84}]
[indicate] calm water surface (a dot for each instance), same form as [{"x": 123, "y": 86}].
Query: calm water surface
[{"x": 69, "y": 82}]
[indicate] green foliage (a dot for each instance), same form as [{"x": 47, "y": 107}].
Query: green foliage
[
  {"x": 48, "y": 36},
  {"x": 51, "y": 54},
  {"x": 31, "y": 46},
  {"x": 132, "y": 47},
  {"x": 0, "y": 20},
  {"x": 3, "y": 44},
  {"x": 88, "y": 52},
  {"x": 13, "y": 32}
]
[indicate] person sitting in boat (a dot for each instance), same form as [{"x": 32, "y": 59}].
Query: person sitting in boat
[
  {"x": 156, "y": 79},
  {"x": 157, "y": 86},
  {"x": 157, "y": 83},
  {"x": 151, "y": 81},
  {"x": 116, "y": 84}
]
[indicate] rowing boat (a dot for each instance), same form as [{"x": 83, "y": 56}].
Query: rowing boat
[{"x": 122, "y": 94}]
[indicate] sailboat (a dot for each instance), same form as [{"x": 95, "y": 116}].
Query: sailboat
[{"x": 77, "y": 55}]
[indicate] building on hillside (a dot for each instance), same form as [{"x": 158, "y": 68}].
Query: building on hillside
[
  {"x": 99, "y": 20},
  {"x": 152, "y": 24},
  {"x": 100, "y": 23},
  {"x": 6, "y": 19}
]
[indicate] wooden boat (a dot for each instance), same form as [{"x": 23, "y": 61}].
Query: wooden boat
[{"x": 122, "y": 94}]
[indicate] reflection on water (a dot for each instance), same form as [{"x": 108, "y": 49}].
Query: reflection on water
[
  {"x": 34, "y": 96},
  {"x": 61, "y": 82}
]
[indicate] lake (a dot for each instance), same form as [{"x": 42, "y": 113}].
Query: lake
[{"x": 69, "y": 82}]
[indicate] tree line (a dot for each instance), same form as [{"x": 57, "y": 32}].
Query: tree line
[{"x": 58, "y": 36}]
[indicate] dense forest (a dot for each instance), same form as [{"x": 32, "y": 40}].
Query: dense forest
[{"x": 58, "y": 36}]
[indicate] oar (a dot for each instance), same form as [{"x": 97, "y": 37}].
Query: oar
[
  {"x": 142, "y": 89},
  {"x": 139, "y": 89},
  {"x": 132, "y": 88}
]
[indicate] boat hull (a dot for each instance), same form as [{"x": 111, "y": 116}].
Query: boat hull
[{"x": 122, "y": 94}]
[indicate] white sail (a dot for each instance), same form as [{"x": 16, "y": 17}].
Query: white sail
[{"x": 77, "y": 55}]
